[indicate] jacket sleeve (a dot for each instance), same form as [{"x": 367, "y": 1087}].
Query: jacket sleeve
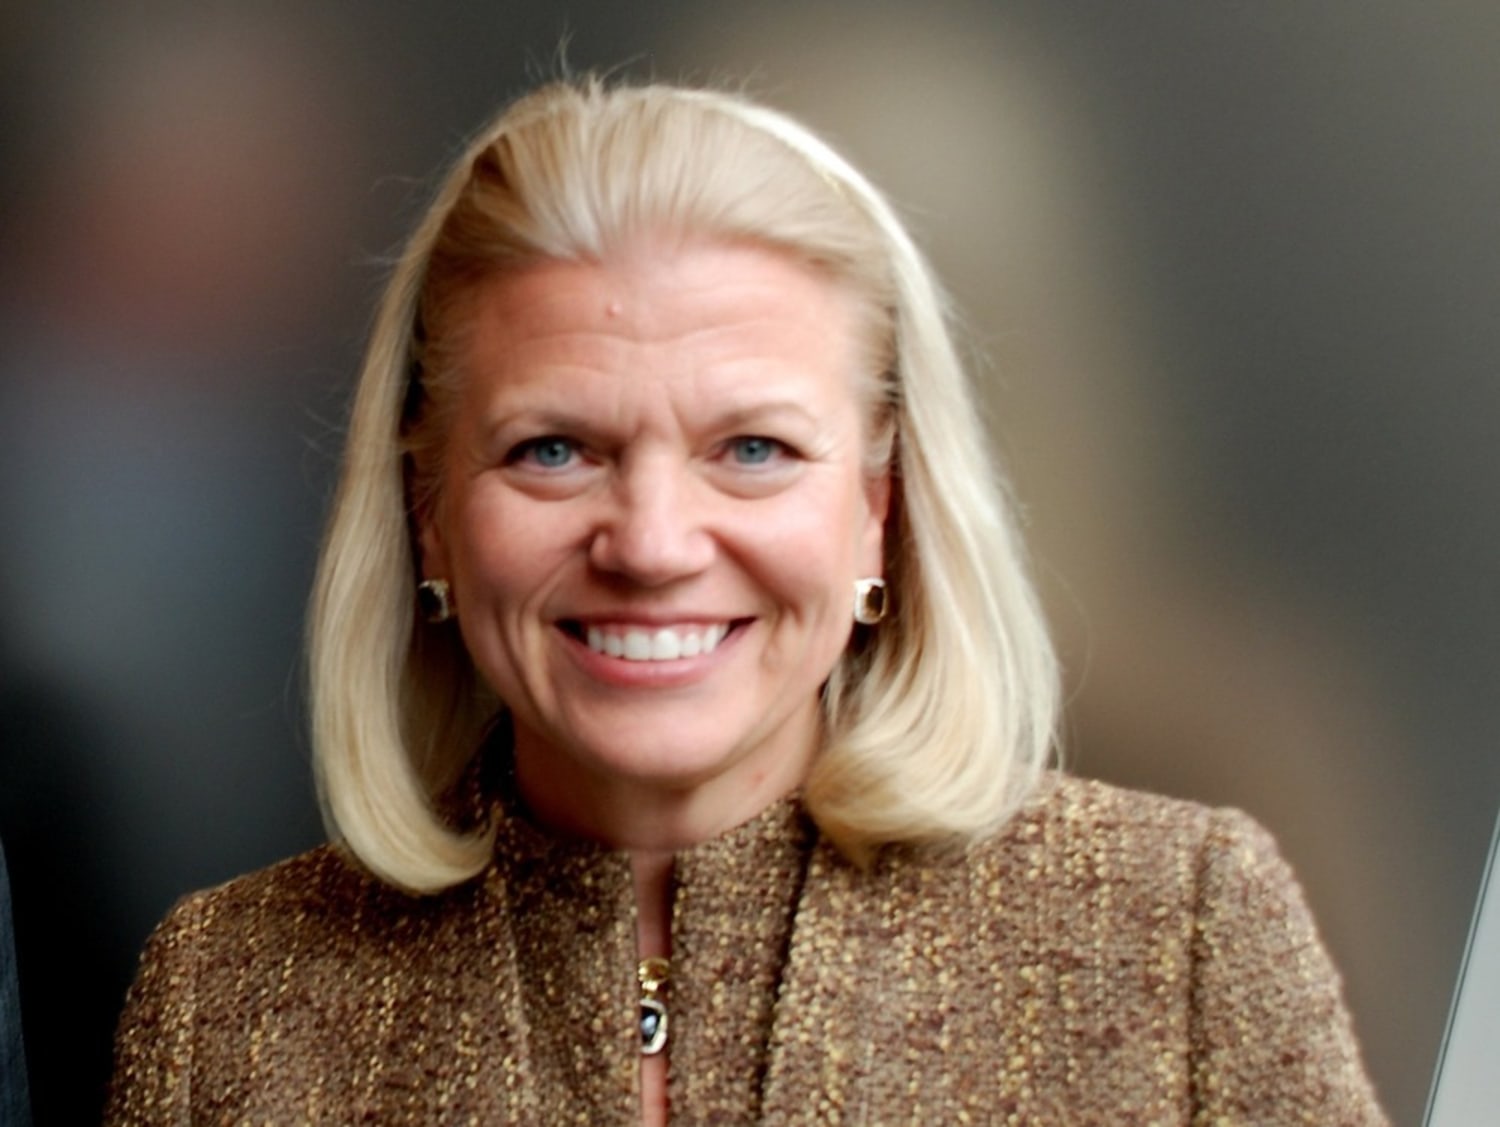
[
  {"x": 1272, "y": 1041},
  {"x": 153, "y": 1068}
]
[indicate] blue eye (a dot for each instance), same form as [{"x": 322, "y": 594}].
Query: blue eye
[
  {"x": 754, "y": 450},
  {"x": 550, "y": 452}
]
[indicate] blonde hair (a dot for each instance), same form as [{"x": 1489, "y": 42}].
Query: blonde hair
[{"x": 938, "y": 722}]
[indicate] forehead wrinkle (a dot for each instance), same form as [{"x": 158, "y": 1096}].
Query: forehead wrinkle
[
  {"x": 547, "y": 402},
  {"x": 530, "y": 359},
  {"x": 510, "y": 332},
  {"x": 594, "y": 331},
  {"x": 622, "y": 289}
]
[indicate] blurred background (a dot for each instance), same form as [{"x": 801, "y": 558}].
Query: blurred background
[{"x": 1229, "y": 273}]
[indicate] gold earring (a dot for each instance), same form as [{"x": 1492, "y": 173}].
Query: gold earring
[
  {"x": 869, "y": 601},
  {"x": 434, "y": 596}
]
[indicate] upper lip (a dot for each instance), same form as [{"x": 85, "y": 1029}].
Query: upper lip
[{"x": 648, "y": 620}]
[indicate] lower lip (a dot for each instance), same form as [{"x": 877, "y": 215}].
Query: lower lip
[{"x": 680, "y": 672}]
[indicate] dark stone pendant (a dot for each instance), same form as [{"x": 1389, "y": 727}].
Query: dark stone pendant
[{"x": 653, "y": 1027}]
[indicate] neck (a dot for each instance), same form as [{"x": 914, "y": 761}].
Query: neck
[
  {"x": 646, "y": 816},
  {"x": 651, "y": 873}
]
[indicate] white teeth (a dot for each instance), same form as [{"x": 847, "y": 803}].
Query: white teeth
[
  {"x": 666, "y": 644},
  {"x": 602, "y": 643}
]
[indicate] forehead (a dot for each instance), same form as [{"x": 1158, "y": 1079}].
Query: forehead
[
  {"x": 665, "y": 310},
  {"x": 659, "y": 285}
]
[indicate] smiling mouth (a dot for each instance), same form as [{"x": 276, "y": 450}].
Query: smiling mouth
[{"x": 663, "y": 643}]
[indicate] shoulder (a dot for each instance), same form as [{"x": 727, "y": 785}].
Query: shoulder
[
  {"x": 292, "y": 954},
  {"x": 1088, "y": 807},
  {"x": 1130, "y": 869},
  {"x": 296, "y": 894},
  {"x": 1078, "y": 856},
  {"x": 218, "y": 932},
  {"x": 1074, "y": 825},
  {"x": 318, "y": 901},
  {"x": 1161, "y": 948},
  {"x": 317, "y": 919},
  {"x": 1266, "y": 1026},
  {"x": 1219, "y": 858},
  {"x": 319, "y": 874}
]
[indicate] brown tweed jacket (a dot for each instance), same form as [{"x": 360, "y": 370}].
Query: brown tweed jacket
[{"x": 1110, "y": 958}]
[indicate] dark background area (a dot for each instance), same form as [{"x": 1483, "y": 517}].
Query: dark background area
[{"x": 1229, "y": 271}]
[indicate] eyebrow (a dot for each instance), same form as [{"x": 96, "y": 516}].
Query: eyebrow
[
  {"x": 564, "y": 420},
  {"x": 769, "y": 410}
]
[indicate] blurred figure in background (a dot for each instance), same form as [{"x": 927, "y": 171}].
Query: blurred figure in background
[
  {"x": 15, "y": 1103},
  {"x": 170, "y": 269}
]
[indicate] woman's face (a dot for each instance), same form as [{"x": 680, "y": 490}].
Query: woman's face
[{"x": 652, "y": 510}]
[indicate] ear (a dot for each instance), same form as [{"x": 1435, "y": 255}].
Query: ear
[
  {"x": 872, "y": 536},
  {"x": 432, "y": 552}
]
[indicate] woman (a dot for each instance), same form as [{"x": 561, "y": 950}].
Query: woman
[{"x": 681, "y": 707}]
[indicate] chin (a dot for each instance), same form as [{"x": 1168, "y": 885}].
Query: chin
[{"x": 676, "y": 765}]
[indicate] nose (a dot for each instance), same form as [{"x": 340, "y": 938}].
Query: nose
[{"x": 652, "y": 531}]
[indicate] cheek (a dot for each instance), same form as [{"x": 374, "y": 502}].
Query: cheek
[
  {"x": 502, "y": 577},
  {"x": 811, "y": 553},
  {"x": 502, "y": 557}
]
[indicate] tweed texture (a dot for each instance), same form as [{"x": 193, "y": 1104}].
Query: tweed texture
[{"x": 1109, "y": 958}]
